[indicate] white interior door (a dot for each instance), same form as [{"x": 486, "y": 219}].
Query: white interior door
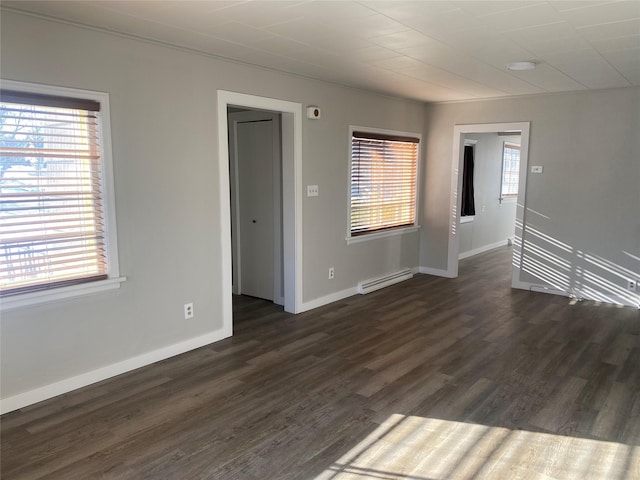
[{"x": 257, "y": 202}]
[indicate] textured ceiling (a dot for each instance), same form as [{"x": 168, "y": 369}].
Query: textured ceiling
[{"x": 425, "y": 50}]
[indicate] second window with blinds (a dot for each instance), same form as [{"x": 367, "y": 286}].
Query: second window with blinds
[{"x": 383, "y": 183}]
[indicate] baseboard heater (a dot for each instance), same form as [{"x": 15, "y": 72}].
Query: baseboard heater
[{"x": 374, "y": 284}]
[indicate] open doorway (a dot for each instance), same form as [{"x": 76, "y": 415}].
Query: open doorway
[
  {"x": 490, "y": 180},
  {"x": 291, "y": 143},
  {"x": 509, "y": 209}
]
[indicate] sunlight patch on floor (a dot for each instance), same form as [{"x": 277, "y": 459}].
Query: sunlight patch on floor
[{"x": 416, "y": 448}]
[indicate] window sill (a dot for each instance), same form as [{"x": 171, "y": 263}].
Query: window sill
[
  {"x": 35, "y": 298},
  {"x": 508, "y": 200},
  {"x": 387, "y": 233},
  {"x": 467, "y": 219}
]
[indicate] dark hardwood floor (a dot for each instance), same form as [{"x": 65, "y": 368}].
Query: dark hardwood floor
[{"x": 429, "y": 379}]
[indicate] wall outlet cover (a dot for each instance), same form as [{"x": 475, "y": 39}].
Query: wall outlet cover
[{"x": 188, "y": 311}]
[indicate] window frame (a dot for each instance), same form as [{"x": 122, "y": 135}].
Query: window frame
[
  {"x": 509, "y": 198},
  {"x": 391, "y": 231},
  {"x": 113, "y": 279}
]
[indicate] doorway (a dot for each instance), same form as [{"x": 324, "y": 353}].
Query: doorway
[
  {"x": 456, "y": 192},
  {"x": 291, "y": 142},
  {"x": 255, "y": 172},
  {"x": 489, "y": 191}
]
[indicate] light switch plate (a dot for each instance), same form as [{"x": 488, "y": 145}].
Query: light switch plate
[
  {"x": 536, "y": 169},
  {"x": 312, "y": 190}
]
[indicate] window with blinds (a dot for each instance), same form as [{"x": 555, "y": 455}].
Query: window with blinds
[
  {"x": 52, "y": 223},
  {"x": 383, "y": 182},
  {"x": 510, "y": 171}
]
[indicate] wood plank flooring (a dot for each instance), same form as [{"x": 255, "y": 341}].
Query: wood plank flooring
[{"x": 430, "y": 379}]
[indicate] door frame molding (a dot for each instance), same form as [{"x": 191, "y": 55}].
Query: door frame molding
[
  {"x": 456, "y": 186},
  {"x": 291, "y": 118}
]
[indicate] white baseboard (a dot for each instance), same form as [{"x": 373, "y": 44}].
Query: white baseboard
[
  {"x": 549, "y": 290},
  {"x": 327, "y": 299},
  {"x": 68, "y": 384},
  {"x": 483, "y": 249},
  {"x": 436, "y": 272},
  {"x": 609, "y": 298},
  {"x": 337, "y": 296}
]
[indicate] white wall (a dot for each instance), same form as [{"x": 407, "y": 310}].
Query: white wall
[
  {"x": 582, "y": 222},
  {"x": 163, "y": 114},
  {"x": 494, "y": 221}
]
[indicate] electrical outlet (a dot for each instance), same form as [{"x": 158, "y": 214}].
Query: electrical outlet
[
  {"x": 188, "y": 311},
  {"x": 331, "y": 273},
  {"x": 632, "y": 285}
]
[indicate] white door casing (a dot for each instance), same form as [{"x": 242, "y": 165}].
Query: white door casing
[
  {"x": 456, "y": 187},
  {"x": 291, "y": 117}
]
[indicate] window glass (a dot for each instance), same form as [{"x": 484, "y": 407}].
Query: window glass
[
  {"x": 510, "y": 170},
  {"x": 53, "y": 226},
  {"x": 383, "y": 182}
]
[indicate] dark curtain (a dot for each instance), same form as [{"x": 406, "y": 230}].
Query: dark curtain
[{"x": 468, "y": 203}]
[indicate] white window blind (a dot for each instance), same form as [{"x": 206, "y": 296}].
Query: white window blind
[
  {"x": 383, "y": 182},
  {"x": 52, "y": 229},
  {"x": 510, "y": 170}
]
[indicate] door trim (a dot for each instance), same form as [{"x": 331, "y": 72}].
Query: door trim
[
  {"x": 291, "y": 126},
  {"x": 456, "y": 186}
]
